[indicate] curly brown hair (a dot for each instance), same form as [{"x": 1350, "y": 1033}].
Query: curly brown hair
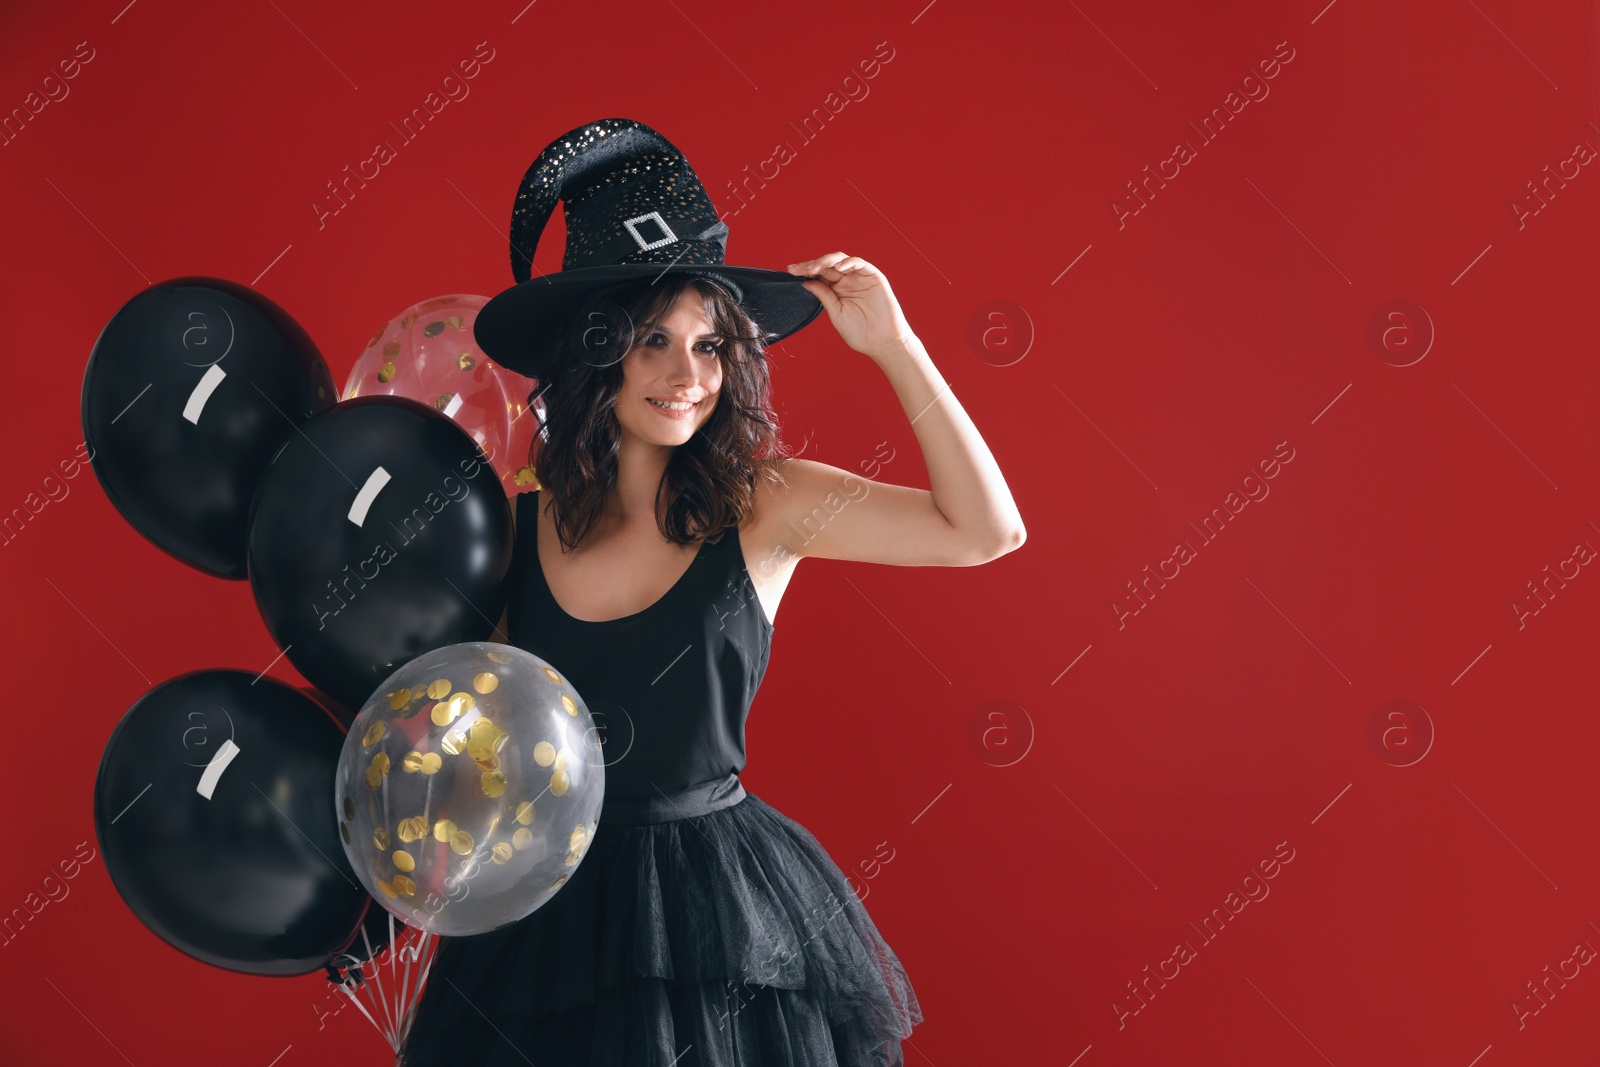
[{"x": 712, "y": 478}]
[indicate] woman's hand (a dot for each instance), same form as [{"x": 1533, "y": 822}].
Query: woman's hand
[{"x": 859, "y": 302}]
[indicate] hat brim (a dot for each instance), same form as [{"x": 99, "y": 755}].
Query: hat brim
[{"x": 514, "y": 328}]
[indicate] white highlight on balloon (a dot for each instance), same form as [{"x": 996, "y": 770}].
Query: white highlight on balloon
[
  {"x": 214, "y": 769},
  {"x": 202, "y": 392},
  {"x": 369, "y": 492}
]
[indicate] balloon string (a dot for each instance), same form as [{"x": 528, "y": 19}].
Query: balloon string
[
  {"x": 431, "y": 942},
  {"x": 377, "y": 979},
  {"x": 431, "y": 951},
  {"x": 402, "y": 1004},
  {"x": 402, "y": 1007},
  {"x": 425, "y": 944},
  {"x": 405, "y": 992},
  {"x": 394, "y": 984},
  {"x": 408, "y": 965},
  {"x": 387, "y": 1035}
]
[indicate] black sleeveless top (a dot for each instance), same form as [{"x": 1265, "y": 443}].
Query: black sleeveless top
[{"x": 669, "y": 687}]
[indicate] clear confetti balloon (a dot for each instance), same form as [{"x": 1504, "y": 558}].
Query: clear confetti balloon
[
  {"x": 428, "y": 353},
  {"x": 469, "y": 788}
]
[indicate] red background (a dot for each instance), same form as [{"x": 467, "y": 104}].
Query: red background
[{"x": 1231, "y": 714}]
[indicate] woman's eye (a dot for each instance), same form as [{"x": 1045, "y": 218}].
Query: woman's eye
[{"x": 705, "y": 347}]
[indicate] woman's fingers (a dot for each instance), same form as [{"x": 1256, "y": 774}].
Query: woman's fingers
[
  {"x": 827, "y": 274},
  {"x": 820, "y": 264},
  {"x": 824, "y": 272},
  {"x": 853, "y": 263}
]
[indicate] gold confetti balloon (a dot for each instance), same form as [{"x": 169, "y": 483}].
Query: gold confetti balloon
[
  {"x": 469, "y": 787},
  {"x": 428, "y": 353}
]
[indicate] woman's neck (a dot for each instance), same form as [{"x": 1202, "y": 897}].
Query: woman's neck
[{"x": 641, "y": 469}]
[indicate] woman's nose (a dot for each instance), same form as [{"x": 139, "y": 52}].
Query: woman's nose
[{"x": 684, "y": 365}]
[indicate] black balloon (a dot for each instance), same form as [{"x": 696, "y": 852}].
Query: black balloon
[
  {"x": 190, "y": 389},
  {"x": 252, "y": 877},
  {"x": 379, "y": 532}
]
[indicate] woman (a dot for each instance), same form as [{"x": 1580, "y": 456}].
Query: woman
[{"x": 702, "y": 927}]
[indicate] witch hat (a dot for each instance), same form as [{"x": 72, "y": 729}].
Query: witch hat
[{"x": 635, "y": 211}]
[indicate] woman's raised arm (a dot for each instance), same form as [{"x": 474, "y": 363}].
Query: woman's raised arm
[{"x": 969, "y": 516}]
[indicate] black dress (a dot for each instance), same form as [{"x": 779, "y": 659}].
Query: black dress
[{"x": 703, "y": 928}]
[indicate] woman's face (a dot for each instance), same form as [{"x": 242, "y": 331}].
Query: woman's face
[{"x": 676, "y": 359}]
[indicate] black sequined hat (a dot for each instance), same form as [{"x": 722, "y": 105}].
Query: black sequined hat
[{"x": 634, "y": 211}]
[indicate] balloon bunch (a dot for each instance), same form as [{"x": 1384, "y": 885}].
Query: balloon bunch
[{"x": 215, "y": 430}]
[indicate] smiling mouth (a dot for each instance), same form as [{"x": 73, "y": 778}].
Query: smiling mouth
[{"x": 677, "y": 410}]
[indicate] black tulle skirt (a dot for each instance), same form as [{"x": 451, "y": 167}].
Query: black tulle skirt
[{"x": 728, "y": 939}]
